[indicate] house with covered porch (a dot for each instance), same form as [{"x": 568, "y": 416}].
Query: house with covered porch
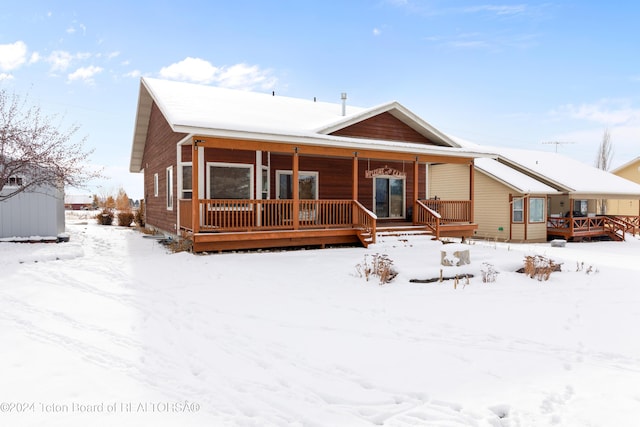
[
  {"x": 534, "y": 196},
  {"x": 233, "y": 169}
]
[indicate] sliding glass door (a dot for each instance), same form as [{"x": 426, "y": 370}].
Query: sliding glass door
[{"x": 389, "y": 197}]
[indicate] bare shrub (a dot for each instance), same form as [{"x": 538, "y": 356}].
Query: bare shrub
[
  {"x": 539, "y": 267},
  {"x": 377, "y": 265},
  {"x": 139, "y": 216},
  {"x": 105, "y": 217},
  {"x": 489, "y": 273},
  {"x": 125, "y": 218}
]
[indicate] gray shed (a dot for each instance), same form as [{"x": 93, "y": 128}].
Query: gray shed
[{"x": 36, "y": 215}]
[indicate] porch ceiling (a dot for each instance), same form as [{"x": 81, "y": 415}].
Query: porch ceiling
[{"x": 345, "y": 147}]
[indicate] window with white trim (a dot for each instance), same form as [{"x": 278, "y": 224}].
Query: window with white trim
[
  {"x": 186, "y": 192},
  {"x": 155, "y": 185},
  {"x": 230, "y": 181},
  {"x": 307, "y": 185},
  {"x": 517, "y": 206},
  {"x": 14, "y": 181},
  {"x": 170, "y": 188},
  {"x": 536, "y": 209}
]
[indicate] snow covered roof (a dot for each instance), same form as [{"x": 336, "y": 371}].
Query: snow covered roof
[
  {"x": 519, "y": 181},
  {"x": 626, "y": 165},
  {"x": 571, "y": 176},
  {"x": 78, "y": 199},
  {"x": 213, "y": 111},
  {"x": 564, "y": 174}
]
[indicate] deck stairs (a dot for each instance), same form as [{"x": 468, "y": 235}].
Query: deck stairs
[{"x": 393, "y": 231}]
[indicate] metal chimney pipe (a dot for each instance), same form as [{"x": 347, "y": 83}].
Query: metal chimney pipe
[{"x": 343, "y": 96}]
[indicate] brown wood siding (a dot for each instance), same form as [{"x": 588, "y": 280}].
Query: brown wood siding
[
  {"x": 335, "y": 175},
  {"x": 383, "y": 126},
  {"x": 186, "y": 153},
  {"x": 159, "y": 154}
]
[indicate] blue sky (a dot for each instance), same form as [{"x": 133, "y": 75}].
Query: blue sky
[{"x": 499, "y": 73}]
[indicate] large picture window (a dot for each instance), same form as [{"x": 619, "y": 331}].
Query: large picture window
[
  {"x": 230, "y": 181},
  {"x": 307, "y": 185},
  {"x": 518, "y": 210},
  {"x": 536, "y": 209}
]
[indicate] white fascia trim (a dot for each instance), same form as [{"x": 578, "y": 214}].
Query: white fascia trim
[
  {"x": 513, "y": 187},
  {"x": 336, "y": 142}
]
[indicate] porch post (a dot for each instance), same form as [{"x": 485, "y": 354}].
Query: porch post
[
  {"x": 571, "y": 215},
  {"x": 471, "y": 190},
  {"x": 414, "y": 212},
  {"x": 296, "y": 190},
  {"x": 354, "y": 180},
  {"x": 195, "y": 192},
  {"x": 258, "y": 187}
]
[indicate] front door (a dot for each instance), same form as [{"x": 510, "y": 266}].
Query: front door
[{"x": 389, "y": 197}]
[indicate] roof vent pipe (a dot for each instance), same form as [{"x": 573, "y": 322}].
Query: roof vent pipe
[{"x": 343, "y": 96}]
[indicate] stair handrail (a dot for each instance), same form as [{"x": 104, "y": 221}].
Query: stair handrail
[
  {"x": 365, "y": 219},
  {"x": 428, "y": 217}
]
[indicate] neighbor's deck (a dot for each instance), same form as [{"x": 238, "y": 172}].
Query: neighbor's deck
[{"x": 578, "y": 228}]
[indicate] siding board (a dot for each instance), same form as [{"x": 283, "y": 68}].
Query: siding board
[{"x": 383, "y": 126}]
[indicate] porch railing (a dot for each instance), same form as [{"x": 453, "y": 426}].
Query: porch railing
[
  {"x": 253, "y": 215},
  {"x": 364, "y": 219},
  {"x": 631, "y": 222},
  {"x": 428, "y": 217},
  {"x": 450, "y": 210},
  {"x": 590, "y": 225}
]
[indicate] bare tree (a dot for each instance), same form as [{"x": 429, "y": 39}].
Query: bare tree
[
  {"x": 35, "y": 152},
  {"x": 603, "y": 161},
  {"x": 605, "y": 152}
]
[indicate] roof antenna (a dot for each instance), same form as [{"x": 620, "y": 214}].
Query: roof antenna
[{"x": 343, "y": 96}]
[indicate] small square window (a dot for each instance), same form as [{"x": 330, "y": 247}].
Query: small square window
[{"x": 14, "y": 181}]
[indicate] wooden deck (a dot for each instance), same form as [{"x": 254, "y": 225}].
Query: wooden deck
[
  {"x": 592, "y": 227},
  {"x": 253, "y": 224}
]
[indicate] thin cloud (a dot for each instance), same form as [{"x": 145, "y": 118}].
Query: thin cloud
[
  {"x": 377, "y": 31},
  {"x": 605, "y": 112},
  {"x": 500, "y": 10},
  {"x": 133, "y": 74},
  {"x": 12, "y": 55},
  {"x": 84, "y": 74},
  {"x": 59, "y": 60},
  {"x": 5, "y": 76},
  {"x": 239, "y": 76}
]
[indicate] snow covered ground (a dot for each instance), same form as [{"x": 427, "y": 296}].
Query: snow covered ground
[{"x": 111, "y": 329}]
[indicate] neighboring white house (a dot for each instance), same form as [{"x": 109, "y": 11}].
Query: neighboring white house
[{"x": 33, "y": 215}]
